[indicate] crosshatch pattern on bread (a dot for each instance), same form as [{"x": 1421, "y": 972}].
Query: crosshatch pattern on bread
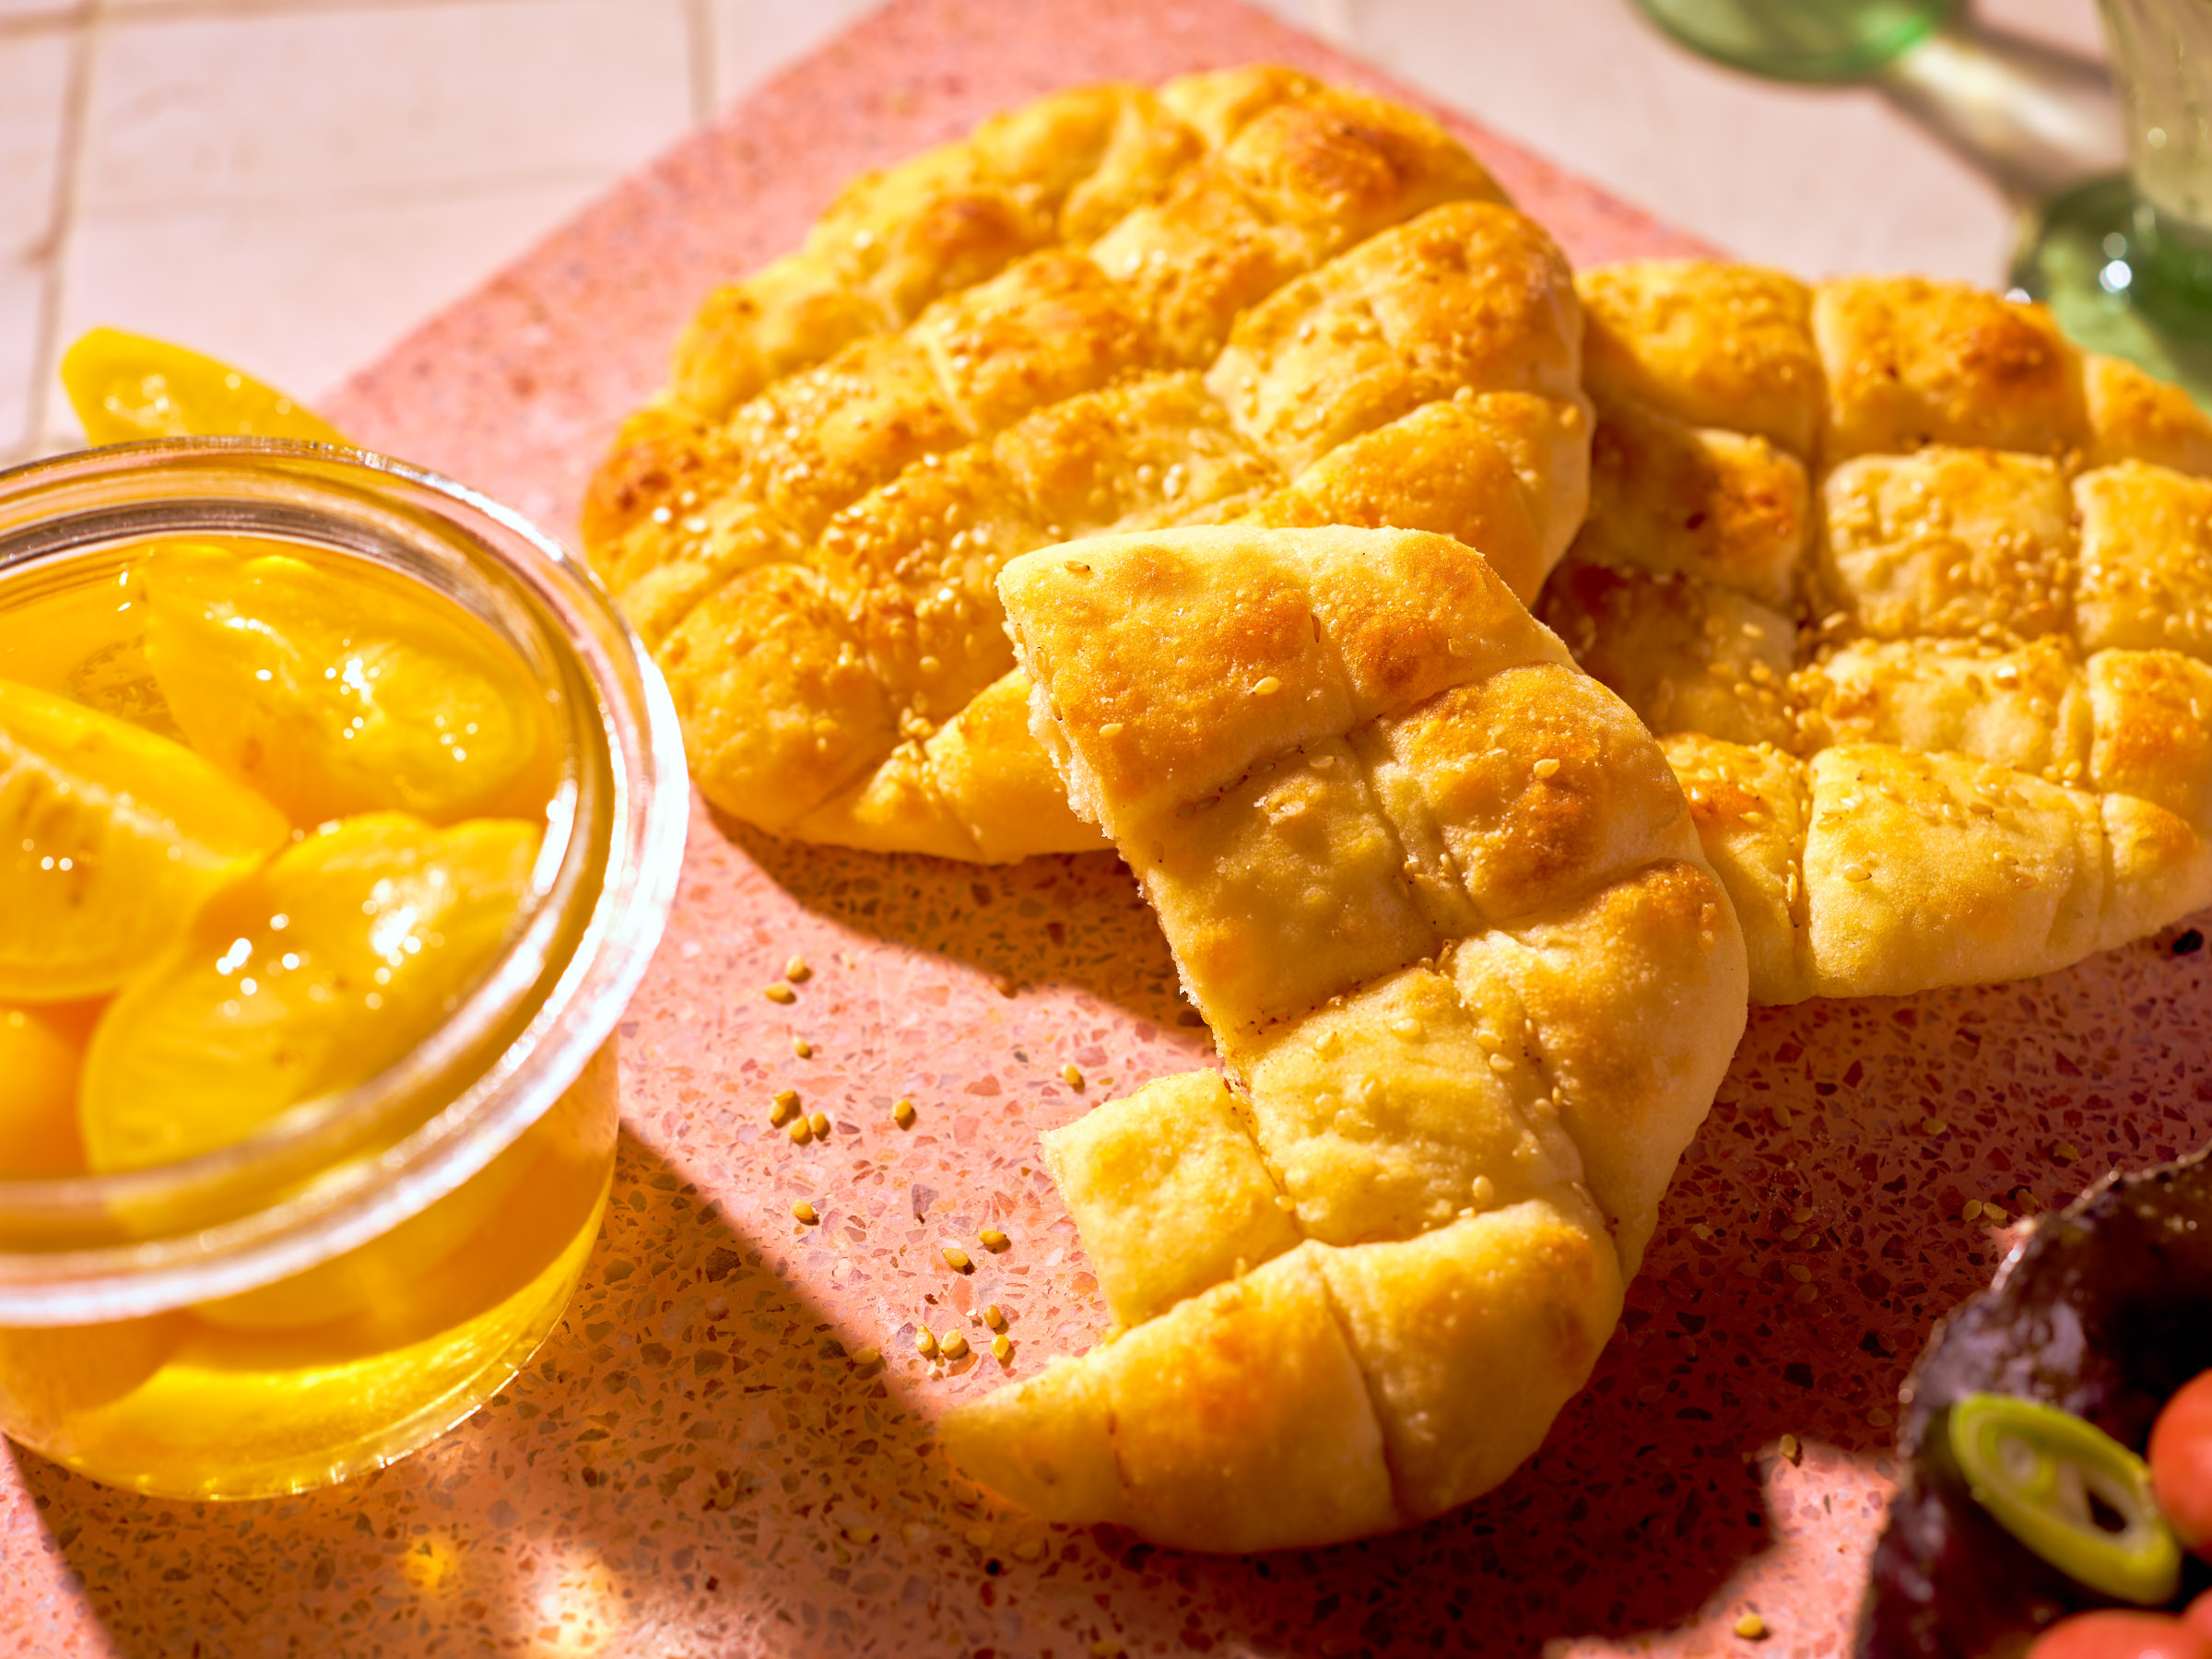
[
  {"x": 1440, "y": 898},
  {"x": 1246, "y": 296},
  {"x": 1919, "y": 600}
]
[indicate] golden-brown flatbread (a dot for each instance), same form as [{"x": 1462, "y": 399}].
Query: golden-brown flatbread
[
  {"x": 1919, "y": 600},
  {"x": 1247, "y": 297},
  {"x": 1441, "y": 901}
]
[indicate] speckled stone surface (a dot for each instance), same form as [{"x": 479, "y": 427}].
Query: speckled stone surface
[{"x": 695, "y": 1464}]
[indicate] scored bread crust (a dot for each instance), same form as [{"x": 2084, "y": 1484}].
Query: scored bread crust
[
  {"x": 1441, "y": 901},
  {"x": 1919, "y": 601},
  {"x": 1244, "y": 296}
]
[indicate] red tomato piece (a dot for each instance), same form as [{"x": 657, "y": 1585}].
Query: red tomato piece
[
  {"x": 2112, "y": 1634},
  {"x": 2181, "y": 1460},
  {"x": 2199, "y": 1615}
]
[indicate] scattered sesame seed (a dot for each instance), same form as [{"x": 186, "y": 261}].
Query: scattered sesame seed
[
  {"x": 1857, "y": 871},
  {"x": 1001, "y": 1347},
  {"x": 1266, "y": 686},
  {"x": 2065, "y": 1151},
  {"x": 1934, "y": 1125},
  {"x": 902, "y": 1114},
  {"x": 1501, "y": 1062},
  {"x": 957, "y": 1259},
  {"x": 1791, "y": 1449},
  {"x": 804, "y": 1211},
  {"x": 801, "y": 1130},
  {"x": 820, "y": 1124},
  {"x": 781, "y": 993},
  {"x": 954, "y": 1346},
  {"x": 1781, "y": 1115},
  {"x": 796, "y": 970},
  {"x": 1972, "y": 1212},
  {"x": 867, "y": 1356},
  {"x": 860, "y": 1535},
  {"x": 1547, "y": 768},
  {"x": 926, "y": 1342},
  {"x": 992, "y": 1240},
  {"x": 1880, "y": 1417},
  {"x": 778, "y": 1114},
  {"x": 787, "y": 1098},
  {"x": 994, "y": 1318},
  {"x": 1752, "y": 1628},
  {"x": 1071, "y": 1076},
  {"x": 1482, "y": 1190},
  {"x": 802, "y": 1048}
]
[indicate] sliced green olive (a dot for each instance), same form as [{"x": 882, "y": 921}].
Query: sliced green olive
[{"x": 2070, "y": 1492}]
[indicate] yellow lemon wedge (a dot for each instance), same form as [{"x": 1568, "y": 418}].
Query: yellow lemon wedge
[
  {"x": 314, "y": 973},
  {"x": 126, "y": 386},
  {"x": 110, "y": 837},
  {"x": 41, "y": 1050},
  {"x": 336, "y": 692}
]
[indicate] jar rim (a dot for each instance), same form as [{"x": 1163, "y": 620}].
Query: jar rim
[{"x": 351, "y": 1164}]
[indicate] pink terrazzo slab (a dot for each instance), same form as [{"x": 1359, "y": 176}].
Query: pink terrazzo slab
[{"x": 695, "y": 1465}]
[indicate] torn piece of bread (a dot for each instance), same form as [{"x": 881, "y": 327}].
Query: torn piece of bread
[
  {"x": 1919, "y": 599},
  {"x": 1246, "y": 297},
  {"x": 1441, "y": 901}
]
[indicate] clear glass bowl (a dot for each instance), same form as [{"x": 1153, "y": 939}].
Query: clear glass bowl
[{"x": 363, "y": 1273}]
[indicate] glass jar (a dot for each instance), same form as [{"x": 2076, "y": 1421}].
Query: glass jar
[{"x": 364, "y": 1270}]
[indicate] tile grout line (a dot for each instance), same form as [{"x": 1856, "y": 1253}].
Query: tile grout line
[{"x": 61, "y": 221}]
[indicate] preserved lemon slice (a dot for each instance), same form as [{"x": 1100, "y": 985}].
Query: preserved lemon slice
[
  {"x": 335, "y": 694},
  {"x": 315, "y": 972},
  {"x": 110, "y": 837},
  {"x": 40, "y": 1052},
  {"x": 446, "y": 1263},
  {"x": 126, "y": 386},
  {"x": 53, "y": 1376}
]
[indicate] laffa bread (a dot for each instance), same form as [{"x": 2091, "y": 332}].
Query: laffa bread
[
  {"x": 1919, "y": 600},
  {"x": 1246, "y": 297},
  {"x": 1440, "y": 898}
]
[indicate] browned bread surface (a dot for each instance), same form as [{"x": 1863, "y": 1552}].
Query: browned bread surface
[
  {"x": 1439, "y": 898},
  {"x": 1244, "y": 296},
  {"x": 1919, "y": 599}
]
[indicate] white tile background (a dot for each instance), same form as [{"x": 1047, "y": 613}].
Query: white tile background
[{"x": 291, "y": 183}]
